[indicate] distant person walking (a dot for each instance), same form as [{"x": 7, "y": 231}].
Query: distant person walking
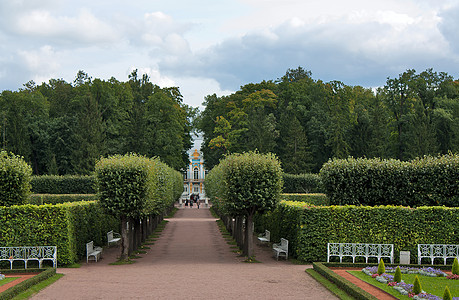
[
  {"x": 197, "y": 200},
  {"x": 191, "y": 200}
]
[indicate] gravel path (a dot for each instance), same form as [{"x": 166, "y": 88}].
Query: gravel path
[{"x": 190, "y": 260}]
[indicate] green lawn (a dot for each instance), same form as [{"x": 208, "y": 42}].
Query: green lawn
[
  {"x": 432, "y": 285},
  {"x": 6, "y": 280}
]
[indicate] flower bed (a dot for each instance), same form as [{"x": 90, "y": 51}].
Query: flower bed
[{"x": 405, "y": 288}]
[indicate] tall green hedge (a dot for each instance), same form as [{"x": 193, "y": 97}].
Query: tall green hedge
[
  {"x": 40, "y": 199},
  {"x": 68, "y": 226},
  {"x": 15, "y": 176},
  {"x": 302, "y": 183},
  {"x": 426, "y": 181},
  {"x": 314, "y": 199},
  {"x": 67, "y": 184},
  {"x": 309, "y": 228}
]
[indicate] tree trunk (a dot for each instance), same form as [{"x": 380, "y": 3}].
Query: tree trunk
[
  {"x": 144, "y": 229},
  {"x": 138, "y": 234},
  {"x": 124, "y": 249},
  {"x": 239, "y": 231},
  {"x": 248, "y": 245},
  {"x": 131, "y": 235}
]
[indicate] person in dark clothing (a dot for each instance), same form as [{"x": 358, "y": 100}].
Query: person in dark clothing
[{"x": 196, "y": 198}]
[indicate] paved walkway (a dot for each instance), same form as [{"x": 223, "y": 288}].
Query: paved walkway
[{"x": 190, "y": 260}]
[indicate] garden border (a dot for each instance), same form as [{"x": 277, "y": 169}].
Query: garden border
[
  {"x": 26, "y": 284},
  {"x": 323, "y": 268}
]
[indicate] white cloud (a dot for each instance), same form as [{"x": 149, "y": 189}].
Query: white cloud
[{"x": 209, "y": 46}]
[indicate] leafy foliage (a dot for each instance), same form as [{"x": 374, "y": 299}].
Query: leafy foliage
[
  {"x": 62, "y": 128},
  {"x": 246, "y": 183},
  {"x": 423, "y": 181},
  {"x": 68, "y": 184},
  {"x": 417, "y": 288},
  {"x": 136, "y": 186},
  {"x": 398, "y": 274},
  {"x": 455, "y": 267},
  {"x": 381, "y": 267},
  {"x": 309, "y": 228},
  {"x": 68, "y": 226},
  {"x": 306, "y": 121},
  {"x": 15, "y": 175},
  {"x": 447, "y": 294},
  {"x": 302, "y": 183}
]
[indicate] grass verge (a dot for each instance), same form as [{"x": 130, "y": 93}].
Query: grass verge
[
  {"x": 329, "y": 285},
  {"x": 38, "y": 287}
]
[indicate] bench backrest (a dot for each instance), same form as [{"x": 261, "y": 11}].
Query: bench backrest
[
  {"x": 90, "y": 247},
  {"x": 358, "y": 249},
  {"x": 284, "y": 244},
  {"x": 438, "y": 250},
  {"x": 42, "y": 252},
  {"x": 110, "y": 235},
  {"x": 268, "y": 235},
  {"x": 28, "y": 252}
]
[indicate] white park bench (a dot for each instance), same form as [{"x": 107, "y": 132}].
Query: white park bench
[
  {"x": 113, "y": 237},
  {"x": 360, "y": 250},
  {"x": 92, "y": 251},
  {"x": 27, "y": 253},
  {"x": 441, "y": 251},
  {"x": 281, "y": 248},
  {"x": 266, "y": 237}
]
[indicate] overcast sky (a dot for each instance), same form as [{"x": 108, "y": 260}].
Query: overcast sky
[{"x": 216, "y": 46}]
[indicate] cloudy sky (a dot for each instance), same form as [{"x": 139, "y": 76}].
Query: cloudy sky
[{"x": 216, "y": 46}]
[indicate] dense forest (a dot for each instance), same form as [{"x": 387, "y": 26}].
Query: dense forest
[
  {"x": 306, "y": 121},
  {"x": 63, "y": 128}
]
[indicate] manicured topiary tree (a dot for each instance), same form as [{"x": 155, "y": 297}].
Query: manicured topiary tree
[
  {"x": 15, "y": 176},
  {"x": 417, "y": 288},
  {"x": 249, "y": 183},
  {"x": 447, "y": 294},
  {"x": 381, "y": 267},
  {"x": 455, "y": 268},
  {"x": 398, "y": 275}
]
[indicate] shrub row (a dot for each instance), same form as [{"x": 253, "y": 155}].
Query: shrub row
[
  {"x": 67, "y": 184},
  {"x": 15, "y": 176},
  {"x": 345, "y": 285},
  {"x": 302, "y": 183},
  {"x": 309, "y": 228},
  {"x": 314, "y": 199},
  {"x": 68, "y": 226},
  {"x": 426, "y": 181},
  {"x": 40, "y": 199}
]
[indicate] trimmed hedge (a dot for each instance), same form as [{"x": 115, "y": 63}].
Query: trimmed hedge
[
  {"x": 136, "y": 186},
  {"x": 427, "y": 181},
  {"x": 15, "y": 176},
  {"x": 40, "y": 199},
  {"x": 67, "y": 184},
  {"x": 309, "y": 228},
  {"x": 347, "y": 286},
  {"x": 302, "y": 183},
  {"x": 315, "y": 199},
  {"x": 68, "y": 226}
]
